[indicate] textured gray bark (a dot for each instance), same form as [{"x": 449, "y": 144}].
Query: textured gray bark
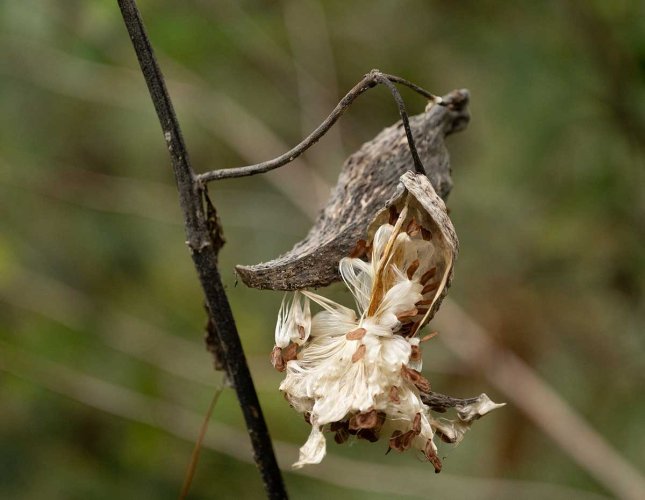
[{"x": 369, "y": 178}]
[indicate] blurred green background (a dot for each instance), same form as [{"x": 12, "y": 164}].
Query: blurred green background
[{"x": 103, "y": 376}]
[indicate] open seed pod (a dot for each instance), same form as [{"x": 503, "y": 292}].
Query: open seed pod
[
  {"x": 368, "y": 178},
  {"x": 422, "y": 214},
  {"x": 357, "y": 373}
]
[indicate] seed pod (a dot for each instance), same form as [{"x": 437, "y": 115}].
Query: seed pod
[
  {"x": 427, "y": 210},
  {"x": 369, "y": 177}
]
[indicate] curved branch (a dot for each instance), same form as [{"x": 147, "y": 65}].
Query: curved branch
[
  {"x": 419, "y": 90},
  {"x": 441, "y": 403},
  {"x": 370, "y": 80}
]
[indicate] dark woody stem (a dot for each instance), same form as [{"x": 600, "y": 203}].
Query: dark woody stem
[
  {"x": 370, "y": 80},
  {"x": 418, "y": 166},
  {"x": 415, "y": 87},
  {"x": 204, "y": 245}
]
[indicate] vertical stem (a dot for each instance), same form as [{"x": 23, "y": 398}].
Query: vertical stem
[
  {"x": 418, "y": 165},
  {"x": 204, "y": 254}
]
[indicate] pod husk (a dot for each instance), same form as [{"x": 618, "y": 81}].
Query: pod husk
[{"x": 368, "y": 179}]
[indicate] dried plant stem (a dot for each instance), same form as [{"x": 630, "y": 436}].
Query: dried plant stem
[
  {"x": 194, "y": 457},
  {"x": 418, "y": 166},
  {"x": 204, "y": 254},
  {"x": 415, "y": 87},
  {"x": 370, "y": 80}
]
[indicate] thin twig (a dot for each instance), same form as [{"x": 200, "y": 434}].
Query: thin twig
[
  {"x": 194, "y": 457},
  {"x": 204, "y": 254},
  {"x": 370, "y": 80},
  {"x": 418, "y": 166},
  {"x": 420, "y": 90}
]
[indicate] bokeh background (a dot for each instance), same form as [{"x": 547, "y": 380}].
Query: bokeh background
[{"x": 103, "y": 375}]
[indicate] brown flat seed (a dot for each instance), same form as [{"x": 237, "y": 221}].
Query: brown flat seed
[
  {"x": 410, "y": 374},
  {"x": 425, "y": 302},
  {"x": 410, "y": 313},
  {"x": 416, "y": 378},
  {"x": 430, "y": 287},
  {"x": 360, "y": 352},
  {"x": 401, "y": 441},
  {"x": 426, "y": 234},
  {"x": 413, "y": 228},
  {"x": 436, "y": 463},
  {"x": 366, "y": 420},
  {"x": 413, "y": 268},
  {"x": 415, "y": 355},
  {"x": 341, "y": 436},
  {"x": 422, "y": 310},
  {"x": 301, "y": 332},
  {"x": 432, "y": 456},
  {"x": 394, "y": 215},
  {"x": 416, "y": 424},
  {"x": 394, "y": 394},
  {"x": 335, "y": 426},
  {"x": 276, "y": 359},
  {"x": 357, "y": 334},
  {"x": 423, "y": 384},
  {"x": 394, "y": 441},
  {"x": 290, "y": 352},
  {"x": 370, "y": 435},
  {"x": 359, "y": 250},
  {"x": 427, "y": 275}
]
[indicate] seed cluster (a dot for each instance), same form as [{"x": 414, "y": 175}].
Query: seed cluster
[{"x": 358, "y": 373}]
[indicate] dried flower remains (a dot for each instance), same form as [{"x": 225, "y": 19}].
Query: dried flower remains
[{"x": 358, "y": 372}]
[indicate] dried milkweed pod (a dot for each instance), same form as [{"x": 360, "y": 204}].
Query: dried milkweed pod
[
  {"x": 386, "y": 233},
  {"x": 369, "y": 178}
]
